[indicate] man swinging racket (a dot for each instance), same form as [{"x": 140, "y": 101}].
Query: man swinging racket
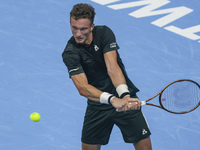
[{"x": 97, "y": 71}]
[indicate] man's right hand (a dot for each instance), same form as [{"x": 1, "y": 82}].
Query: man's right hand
[{"x": 121, "y": 104}]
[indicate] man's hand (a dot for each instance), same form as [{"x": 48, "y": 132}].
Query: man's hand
[
  {"x": 126, "y": 104},
  {"x": 134, "y": 103},
  {"x": 120, "y": 104}
]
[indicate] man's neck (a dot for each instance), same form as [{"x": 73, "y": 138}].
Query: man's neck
[{"x": 89, "y": 41}]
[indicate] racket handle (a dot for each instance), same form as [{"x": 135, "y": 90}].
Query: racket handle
[
  {"x": 143, "y": 102},
  {"x": 117, "y": 109}
]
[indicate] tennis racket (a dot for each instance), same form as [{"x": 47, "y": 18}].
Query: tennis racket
[{"x": 179, "y": 97}]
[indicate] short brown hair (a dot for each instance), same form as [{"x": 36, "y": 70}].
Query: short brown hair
[{"x": 80, "y": 11}]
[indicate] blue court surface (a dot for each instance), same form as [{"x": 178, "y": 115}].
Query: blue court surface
[{"x": 159, "y": 42}]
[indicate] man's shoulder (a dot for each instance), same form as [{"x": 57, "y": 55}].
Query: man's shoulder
[
  {"x": 101, "y": 27},
  {"x": 100, "y": 31},
  {"x": 71, "y": 41},
  {"x": 71, "y": 44}
]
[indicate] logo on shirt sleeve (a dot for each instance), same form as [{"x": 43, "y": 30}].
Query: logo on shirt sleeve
[
  {"x": 113, "y": 45},
  {"x": 73, "y": 69}
]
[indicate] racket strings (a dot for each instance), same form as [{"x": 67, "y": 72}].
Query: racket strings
[{"x": 180, "y": 97}]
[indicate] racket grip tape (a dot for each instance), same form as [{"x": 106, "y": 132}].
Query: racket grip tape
[{"x": 143, "y": 102}]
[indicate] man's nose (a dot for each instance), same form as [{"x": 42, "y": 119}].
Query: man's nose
[{"x": 78, "y": 33}]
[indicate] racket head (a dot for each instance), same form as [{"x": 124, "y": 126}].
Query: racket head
[{"x": 180, "y": 96}]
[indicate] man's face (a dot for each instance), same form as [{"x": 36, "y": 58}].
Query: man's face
[{"x": 82, "y": 30}]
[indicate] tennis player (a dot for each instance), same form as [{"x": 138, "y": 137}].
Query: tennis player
[{"x": 96, "y": 69}]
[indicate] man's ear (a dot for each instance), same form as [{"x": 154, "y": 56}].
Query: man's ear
[{"x": 92, "y": 27}]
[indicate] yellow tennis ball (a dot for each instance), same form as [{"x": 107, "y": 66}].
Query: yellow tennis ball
[{"x": 35, "y": 117}]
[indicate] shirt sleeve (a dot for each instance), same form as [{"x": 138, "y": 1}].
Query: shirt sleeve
[
  {"x": 109, "y": 40},
  {"x": 71, "y": 58}
]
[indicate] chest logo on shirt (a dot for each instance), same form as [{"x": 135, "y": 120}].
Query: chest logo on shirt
[{"x": 96, "y": 48}]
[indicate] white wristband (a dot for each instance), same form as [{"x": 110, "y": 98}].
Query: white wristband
[
  {"x": 122, "y": 89},
  {"x": 104, "y": 97}
]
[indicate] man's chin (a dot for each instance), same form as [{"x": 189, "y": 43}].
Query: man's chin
[{"x": 79, "y": 42}]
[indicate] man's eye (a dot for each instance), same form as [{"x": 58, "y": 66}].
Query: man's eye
[
  {"x": 75, "y": 28},
  {"x": 83, "y": 29}
]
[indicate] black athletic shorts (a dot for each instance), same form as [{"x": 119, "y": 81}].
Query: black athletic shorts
[{"x": 98, "y": 125}]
